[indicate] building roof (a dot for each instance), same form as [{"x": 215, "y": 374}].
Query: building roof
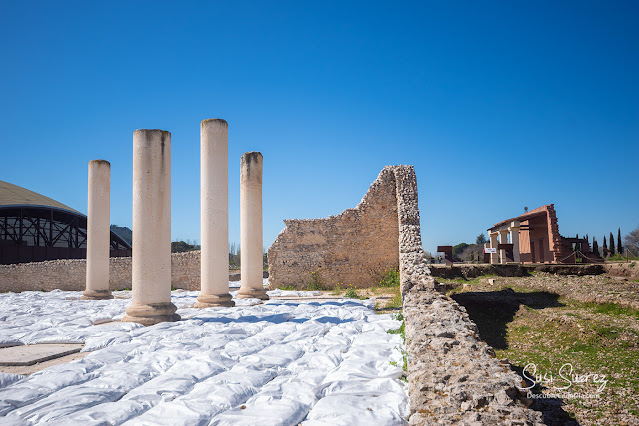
[
  {"x": 16, "y": 196},
  {"x": 535, "y": 212}
]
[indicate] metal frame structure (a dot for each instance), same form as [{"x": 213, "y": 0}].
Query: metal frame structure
[{"x": 30, "y": 233}]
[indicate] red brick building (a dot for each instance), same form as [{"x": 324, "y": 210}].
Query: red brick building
[{"x": 534, "y": 237}]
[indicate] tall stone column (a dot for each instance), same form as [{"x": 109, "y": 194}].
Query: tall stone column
[
  {"x": 98, "y": 231},
  {"x": 251, "y": 226},
  {"x": 514, "y": 239},
  {"x": 214, "y": 214},
  {"x": 503, "y": 238},
  {"x": 494, "y": 257},
  {"x": 151, "y": 229}
]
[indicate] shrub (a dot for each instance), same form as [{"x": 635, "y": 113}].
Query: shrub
[
  {"x": 390, "y": 278},
  {"x": 351, "y": 293},
  {"x": 316, "y": 283}
]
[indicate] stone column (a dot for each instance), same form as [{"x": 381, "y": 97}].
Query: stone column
[
  {"x": 151, "y": 284},
  {"x": 214, "y": 214},
  {"x": 251, "y": 226},
  {"x": 514, "y": 239},
  {"x": 494, "y": 257},
  {"x": 98, "y": 231},
  {"x": 503, "y": 238}
]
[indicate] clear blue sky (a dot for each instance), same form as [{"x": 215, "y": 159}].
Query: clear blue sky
[{"x": 498, "y": 105}]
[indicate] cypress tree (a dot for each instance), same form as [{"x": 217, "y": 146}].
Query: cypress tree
[
  {"x": 605, "y": 247},
  {"x": 595, "y": 246},
  {"x": 619, "y": 246},
  {"x": 611, "y": 246}
]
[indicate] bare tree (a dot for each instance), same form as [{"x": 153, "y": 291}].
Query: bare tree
[{"x": 631, "y": 242}]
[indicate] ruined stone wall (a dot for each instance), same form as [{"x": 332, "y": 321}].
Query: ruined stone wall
[
  {"x": 354, "y": 247},
  {"x": 70, "y": 274},
  {"x": 453, "y": 376}
]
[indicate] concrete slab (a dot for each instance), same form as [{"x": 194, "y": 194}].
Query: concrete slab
[
  {"x": 30, "y": 369},
  {"x": 32, "y": 354}
]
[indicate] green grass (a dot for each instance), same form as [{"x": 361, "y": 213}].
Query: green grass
[
  {"x": 396, "y": 302},
  {"x": 609, "y": 308},
  {"x": 316, "y": 286},
  {"x": 400, "y": 317},
  {"x": 590, "y": 346},
  {"x": 287, "y": 287},
  {"x": 351, "y": 294},
  {"x": 621, "y": 258}
]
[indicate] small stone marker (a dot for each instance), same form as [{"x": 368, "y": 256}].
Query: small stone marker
[{"x": 32, "y": 354}]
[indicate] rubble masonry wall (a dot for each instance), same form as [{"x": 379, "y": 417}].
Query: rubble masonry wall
[
  {"x": 70, "y": 274},
  {"x": 453, "y": 376}
]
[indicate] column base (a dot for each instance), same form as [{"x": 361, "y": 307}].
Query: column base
[
  {"x": 96, "y": 295},
  {"x": 152, "y": 313},
  {"x": 213, "y": 300},
  {"x": 252, "y": 293}
]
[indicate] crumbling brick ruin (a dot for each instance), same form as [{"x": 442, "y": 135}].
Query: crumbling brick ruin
[
  {"x": 354, "y": 247},
  {"x": 538, "y": 239}
]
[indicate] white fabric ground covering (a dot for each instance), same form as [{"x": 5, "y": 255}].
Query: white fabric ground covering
[{"x": 277, "y": 363}]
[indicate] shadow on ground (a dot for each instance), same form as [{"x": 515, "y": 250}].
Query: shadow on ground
[{"x": 492, "y": 311}]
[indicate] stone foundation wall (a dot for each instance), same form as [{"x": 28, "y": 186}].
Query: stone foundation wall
[
  {"x": 70, "y": 274},
  {"x": 469, "y": 271},
  {"x": 453, "y": 376},
  {"x": 354, "y": 247}
]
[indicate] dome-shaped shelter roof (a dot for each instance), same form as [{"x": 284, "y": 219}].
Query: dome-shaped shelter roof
[
  {"x": 16, "y": 196},
  {"x": 34, "y": 228}
]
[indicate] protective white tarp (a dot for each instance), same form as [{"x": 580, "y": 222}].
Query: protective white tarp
[{"x": 276, "y": 363}]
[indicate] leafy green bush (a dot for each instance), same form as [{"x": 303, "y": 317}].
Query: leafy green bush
[
  {"x": 316, "y": 283},
  {"x": 351, "y": 294},
  {"x": 390, "y": 278}
]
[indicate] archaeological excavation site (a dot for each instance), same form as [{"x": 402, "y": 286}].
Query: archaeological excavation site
[{"x": 170, "y": 338}]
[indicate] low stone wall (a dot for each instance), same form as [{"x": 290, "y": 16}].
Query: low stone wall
[
  {"x": 354, "y": 247},
  {"x": 453, "y": 376},
  {"x": 519, "y": 270},
  {"x": 627, "y": 269},
  {"x": 70, "y": 274}
]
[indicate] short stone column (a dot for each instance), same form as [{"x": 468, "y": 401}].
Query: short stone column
[
  {"x": 494, "y": 257},
  {"x": 251, "y": 226},
  {"x": 151, "y": 263},
  {"x": 503, "y": 239},
  {"x": 514, "y": 239},
  {"x": 214, "y": 214},
  {"x": 98, "y": 231}
]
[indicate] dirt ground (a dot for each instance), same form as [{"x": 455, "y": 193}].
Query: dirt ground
[{"x": 575, "y": 339}]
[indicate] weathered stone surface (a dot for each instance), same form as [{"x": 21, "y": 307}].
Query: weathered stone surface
[
  {"x": 70, "y": 274},
  {"x": 30, "y": 354},
  {"x": 453, "y": 376},
  {"x": 354, "y": 247}
]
